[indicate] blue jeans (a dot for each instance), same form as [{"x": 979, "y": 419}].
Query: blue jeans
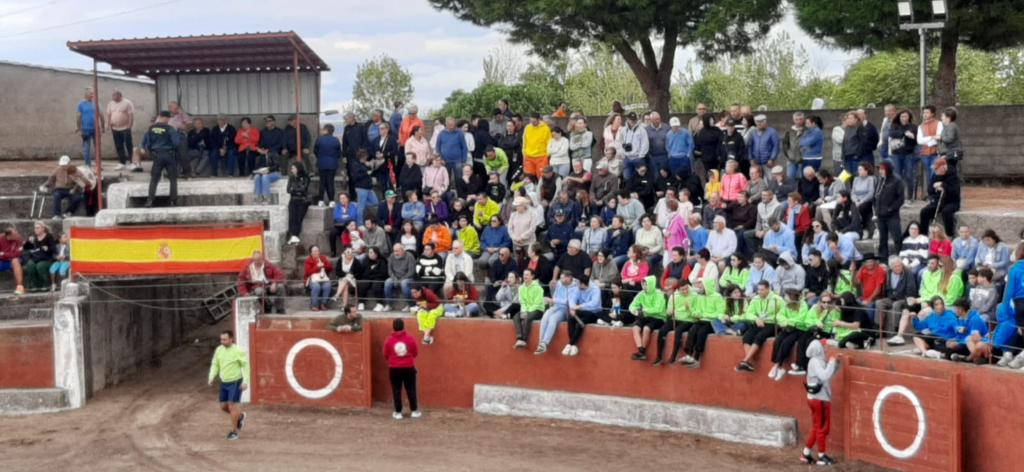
[
  {"x": 629, "y": 168},
  {"x": 454, "y": 169},
  {"x": 928, "y": 162},
  {"x": 850, "y": 164},
  {"x": 88, "y": 141},
  {"x": 229, "y": 161},
  {"x": 405, "y": 284},
  {"x": 550, "y": 321},
  {"x": 793, "y": 170},
  {"x": 906, "y": 166},
  {"x": 365, "y": 197},
  {"x": 678, "y": 164},
  {"x": 658, "y": 162},
  {"x": 561, "y": 169},
  {"x": 263, "y": 183},
  {"x": 58, "y": 198},
  {"x": 472, "y": 309},
  {"x": 320, "y": 291}
]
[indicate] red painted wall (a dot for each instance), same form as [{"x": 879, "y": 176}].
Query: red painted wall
[
  {"x": 26, "y": 356},
  {"x": 470, "y": 352}
]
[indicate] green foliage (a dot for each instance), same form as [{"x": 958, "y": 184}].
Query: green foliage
[
  {"x": 597, "y": 80},
  {"x": 379, "y": 83},
  {"x": 524, "y": 98}
]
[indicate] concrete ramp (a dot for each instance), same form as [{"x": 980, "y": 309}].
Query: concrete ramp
[{"x": 727, "y": 425}]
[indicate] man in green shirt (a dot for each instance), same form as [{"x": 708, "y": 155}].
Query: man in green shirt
[
  {"x": 790, "y": 322},
  {"x": 761, "y": 316},
  {"x": 531, "y": 307},
  {"x": 231, "y": 365},
  {"x": 649, "y": 309},
  {"x": 710, "y": 306},
  {"x": 349, "y": 321},
  {"x": 681, "y": 306},
  {"x": 817, "y": 324}
]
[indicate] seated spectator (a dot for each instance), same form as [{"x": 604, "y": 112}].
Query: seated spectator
[
  {"x": 439, "y": 235},
  {"x": 870, "y": 280},
  {"x": 375, "y": 272},
  {"x": 781, "y": 184},
  {"x": 681, "y": 308},
  {"x": 605, "y": 274},
  {"x": 560, "y": 231},
  {"x": 828, "y": 188},
  {"x": 662, "y": 214},
  {"x": 817, "y": 324},
  {"x": 61, "y": 262},
  {"x": 967, "y": 325},
  {"x": 522, "y": 224},
  {"x": 849, "y": 330},
  {"x": 409, "y": 238},
  {"x": 790, "y": 275},
  {"x": 620, "y": 239},
  {"x": 709, "y": 308},
  {"x": 584, "y": 308},
  {"x": 760, "y": 317},
  {"x": 792, "y": 328},
  {"x": 651, "y": 238},
  {"x": 845, "y": 218},
  {"x": 562, "y": 294},
  {"x": 495, "y": 237},
  {"x": 462, "y": 300},
  {"x": 705, "y": 272},
  {"x": 712, "y": 208},
  {"x": 735, "y": 273},
  {"x": 506, "y": 300},
  {"x": 676, "y": 234},
  {"x": 457, "y": 210},
  {"x": 495, "y": 190},
  {"x": 66, "y": 183},
  {"x": 634, "y": 272},
  {"x": 375, "y": 236},
  {"x": 760, "y": 271},
  {"x": 401, "y": 273},
  {"x": 466, "y": 233},
  {"x": 1000, "y": 341},
  {"x": 779, "y": 240},
  {"x": 457, "y": 261},
  {"x": 935, "y": 328},
  {"x": 697, "y": 233},
  {"x": 899, "y": 287},
  {"x": 435, "y": 177},
  {"x": 994, "y": 254},
  {"x": 808, "y": 187},
  {"x": 262, "y": 279},
  {"x": 428, "y": 310},
  {"x": 484, "y": 209},
  {"x": 317, "y": 278},
  {"x": 436, "y": 206},
  {"x": 531, "y": 307},
  {"x": 677, "y": 267},
  {"x": 198, "y": 140},
  {"x": 768, "y": 209},
  {"x": 862, "y": 193},
  {"x": 574, "y": 260},
  {"x": 344, "y": 212},
  {"x": 943, "y": 196},
  {"x": 609, "y": 211},
  {"x": 604, "y": 185},
  {"x": 430, "y": 268},
  {"x": 648, "y": 309},
  {"x": 349, "y": 270},
  {"x": 732, "y": 322},
  {"x": 983, "y": 295},
  {"x": 543, "y": 269},
  {"x": 914, "y": 250},
  {"x": 965, "y": 249},
  {"x": 642, "y": 185},
  {"x": 594, "y": 236},
  {"x": 630, "y": 209},
  {"x": 566, "y": 205},
  {"x": 10, "y": 257},
  {"x": 40, "y": 251},
  {"x": 939, "y": 244},
  {"x": 734, "y": 183},
  {"x": 353, "y": 238},
  {"x": 349, "y": 321},
  {"x": 721, "y": 242},
  {"x": 468, "y": 185},
  {"x": 842, "y": 250},
  {"x": 579, "y": 179},
  {"x": 413, "y": 210}
]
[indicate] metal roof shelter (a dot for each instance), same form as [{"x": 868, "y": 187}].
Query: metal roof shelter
[{"x": 229, "y": 73}]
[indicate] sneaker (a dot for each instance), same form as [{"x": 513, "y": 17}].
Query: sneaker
[
  {"x": 241, "y": 421},
  {"x": 53, "y": 287},
  {"x": 933, "y": 354},
  {"x": 797, "y": 372},
  {"x": 119, "y": 167},
  {"x": 617, "y": 324},
  {"x": 19, "y": 290},
  {"x": 57, "y": 217},
  {"x": 520, "y": 344},
  {"x": 793, "y": 367},
  {"x": 428, "y": 340},
  {"x": 1017, "y": 362},
  {"x": 916, "y": 351},
  {"x": 541, "y": 349},
  {"x": 867, "y": 344},
  {"x": 897, "y": 340},
  {"x": 745, "y": 367},
  {"x": 233, "y": 436},
  {"x": 137, "y": 168},
  {"x": 566, "y": 349},
  {"x": 657, "y": 361},
  {"x": 320, "y": 204},
  {"x": 575, "y": 351},
  {"x": 362, "y": 307},
  {"x": 824, "y": 459},
  {"x": 688, "y": 360},
  {"x": 396, "y": 415},
  {"x": 639, "y": 356},
  {"x": 958, "y": 358},
  {"x": 780, "y": 374},
  {"x": 808, "y": 459},
  {"x": 378, "y": 307},
  {"x": 771, "y": 373},
  {"x": 602, "y": 323},
  {"x": 332, "y": 204},
  {"x": 1005, "y": 360},
  {"x": 731, "y": 332},
  {"x": 293, "y": 241},
  {"x": 416, "y": 414}
]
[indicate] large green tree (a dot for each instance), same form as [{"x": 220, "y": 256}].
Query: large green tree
[
  {"x": 379, "y": 83},
  {"x": 873, "y": 25},
  {"x": 646, "y": 33}
]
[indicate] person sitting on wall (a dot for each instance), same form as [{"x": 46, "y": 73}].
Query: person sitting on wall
[
  {"x": 262, "y": 279},
  {"x": 649, "y": 307},
  {"x": 65, "y": 183},
  {"x": 428, "y": 309},
  {"x": 10, "y": 257},
  {"x": 761, "y": 316},
  {"x": 349, "y": 321}
]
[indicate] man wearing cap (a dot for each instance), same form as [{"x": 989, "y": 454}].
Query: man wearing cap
[
  {"x": 566, "y": 204},
  {"x": 536, "y": 137},
  {"x": 764, "y": 143},
  {"x": 604, "y": 185},
  {"x": 560, "y": 231},
  {"x": 657, "y": 137},
  {"x": 66, "y": 183},
  {"x": 679, "y": 145},
  {"x": 161, "y": 143},
  {"x": 389, "y": 214},
  {"x": 781, "y": 184},
  {"x": 224, "y": 150},
  {"x": 636, "y": 144}
]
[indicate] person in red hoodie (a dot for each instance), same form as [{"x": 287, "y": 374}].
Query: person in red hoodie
[{"x": 401, "y": 350}]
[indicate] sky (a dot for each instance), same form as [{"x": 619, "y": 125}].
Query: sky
[{"x": 441, "y": 52}]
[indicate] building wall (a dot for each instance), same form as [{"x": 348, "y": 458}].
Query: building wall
[
  {"x": 255, "y": 93},
  {"x": 37, "y": 109}
]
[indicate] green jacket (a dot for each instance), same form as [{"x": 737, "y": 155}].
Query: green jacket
[
  {"x": 651, "y": 300},
  {"x": 931, "y": 281},
  {"x": 470, "y": 240},
  {"x": 733, "y": 277},
  {"x": 500, "y": 162},
  {"x": 766, "y": 308},
  {"x": 683, "y": 306},
  {"x": 710, "y": 306},
  {"x": 813, "y": 317},
  {"x": 531, "y": 297},
  {"x": 844, "y": 283},
  {"x": 792, "y": 316}
]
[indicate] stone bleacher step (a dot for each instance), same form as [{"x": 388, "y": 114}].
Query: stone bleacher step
[{"x": 32, "y": 400}]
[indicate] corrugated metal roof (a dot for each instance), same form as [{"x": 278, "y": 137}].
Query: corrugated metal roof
[{"x": 204, "y": 54}]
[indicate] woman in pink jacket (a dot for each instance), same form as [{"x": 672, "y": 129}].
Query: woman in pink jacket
[
  {"x": 733, "y": 183},
  {"x": 675, "y": 233}
]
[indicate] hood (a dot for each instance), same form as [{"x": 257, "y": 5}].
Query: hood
[
  {"x": 652, "y": 284},
  {"x": 815, "y": 350},
  {"x": 788, "y": 257}
]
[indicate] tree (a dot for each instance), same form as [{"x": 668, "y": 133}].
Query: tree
[
  {"x": 541, "y": 97},
  {"x": 503, "y": 65},
  {"x": 656, "y": 27},
  {"x": 598, "y": 79},
  {"x": 379, "y": 83},
  {"x": 874, "y": 25}
]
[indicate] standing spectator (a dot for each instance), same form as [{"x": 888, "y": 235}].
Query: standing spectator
[
  {"x": 838, "y": 138},
  {"x": 558, "y": 152},
  {"x": 162, "y": 142},
  {"x": 888, "y": 198},
  {"x": 248, "y": 140},
  {"x": 855, "y": 141},
  {"x": 657, "y": 136},
  {"x": 317, "y": 278},
  {"x": 410, "y": 125},
  {"x": 819, "y": 398},
  {"x": 812, "y": 143},
  {"x": 707, "y": 145},
  {"x": 791, "y": 148},
  {"x": 536, "y": 137},
  {"x": 223, "y": 149},
  {"x": 522, "y": 224},
  {"x": 512, "y": 143},
  {"x": 328, "y": 156},
  {"x": 40, "y": 251},
  {"x": 764, "y": 145},
  {"x": 863, "y": 194},
  {"x": 581, "y": 141},
  {"x": 349, "y": 321},
  {"x": 950, "y": 146},
  {"x": 400, "y": 350},
  {"x": 298, "y": 188},
  {"x": 10, "y": 257},
  {"x": 889, "y": 112},
  {"x": 290, "y": 146},
  {"x": 179, "y": 119},
  {"x": 120, "y": 118},
  {"x": 636, "y": 145},
  {"x": 902, "y": 140},
  {"x": 262, "y": 279},
  {"x": 929, "y": 136},
  {"x": 401, "y": 273},
  {"x": 679, "y": 146},
  {"x": 85, "y": 124},
  {"x": 418, "y": 147},
  {"x": 395, "y": 120},
  {"x": 62, "y": 262},
  {"x": 870, "y": 137},
  {"x": 944, "y": 197},
  {"x": 361, "y": 181}
]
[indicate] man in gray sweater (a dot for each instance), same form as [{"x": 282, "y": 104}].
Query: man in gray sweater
[
  {"x": 401, "y": 272},
  {"x": 819, "y": 398},
  {"x": 376, "y": 237}
]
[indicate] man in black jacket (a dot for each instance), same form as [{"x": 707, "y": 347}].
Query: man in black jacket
[
  {"x": 271, "y": 145},
  {"x": 352, "y": 140},
  {"x": 889, "y": 196},
  {"x": 290, "y": 147},
  {"x": 642, "y": 184},
  {"x": 223, "y": 149},
  {"x": 944, "y": 198},
  {"x": 900, "y": 285},
  {"x": 855, "y": 142}
]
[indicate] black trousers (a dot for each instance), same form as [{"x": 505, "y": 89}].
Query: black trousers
[
  {"x": 370, "y": 290},
  {"x": 123, "y": 144},
  {"x": 697, "y": 339},
  {"x": 888, "y": 227},
  {"x": 404, "y": 377},
  {"x": 801, "y": 347},
  {"x": 858, "y": 338},
  {"x": 679, "y": 328},
  {"x": 297, "y": 208},
  {"x": 327, "y": 193},
  {"x": 784, "y": 343},
  {"x": 523, "y": 322},
  {"x": 757, "y": 336},
  {"x": 333, "y": 239},
  {"x": 947, "y": 213},
  {"x": 576, "y": 328},
  {"x": 164, "y": 160}
]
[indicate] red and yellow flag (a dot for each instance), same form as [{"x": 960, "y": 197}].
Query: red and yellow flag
[{"x": 158, "y": 250}]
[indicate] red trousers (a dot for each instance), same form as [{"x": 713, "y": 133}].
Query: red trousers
[{"x": 821, "y": 415}]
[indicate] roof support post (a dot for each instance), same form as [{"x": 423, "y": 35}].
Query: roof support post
[
  {"x": 98, "y": 139},
  {"x": 298, "y": 101}
]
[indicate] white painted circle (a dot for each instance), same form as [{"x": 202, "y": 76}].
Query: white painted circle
[
  {"x": 922, "y": 422},
  {"x": 289, "y": 369}
]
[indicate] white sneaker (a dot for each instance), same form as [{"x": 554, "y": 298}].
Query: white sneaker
[
  {"x": 378, "y": 307},
  {"x": 793, "y": 367},
  {"x": 566, "y": 349},
  {"x": 933, "y": 354},
  {"x": 780, "y": 374},
  {"x": 413, "y": 308},
  {"x": 293, "y": 240},
  {"x": 541, "y": 349},
  {"x": 1005, "y": 360},
  {"x": 575, "y": 351},
  {"x": 332, "y": 204},
  {"x": 119, "y": 167},
  {"x": 416, "y": 414},
  {"x": 617, "y": 324},
  {"x": 320, "y": 204},
  {"x": 520, "y": 344},
  {"x": 602, "y": 323},
  {"x": 1017, "y": 361},
  {"x": 897, "y": 340},
  {"x": 916, "y": 351},
  {"x": 397, "y": 416},
  {"x": 362, "y": 307},
  {"x": 771, "y": 373},
  {"x": 832, "y": 343},
  {"x": 688, "y": 360}
]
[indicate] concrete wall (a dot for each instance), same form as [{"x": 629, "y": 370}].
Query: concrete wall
[{"x": 37, "y": 109}]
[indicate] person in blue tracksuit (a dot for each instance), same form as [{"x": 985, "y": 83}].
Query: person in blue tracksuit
[
  {"x": 934, "y": 328},
  {"x": 968, "y": 324}
]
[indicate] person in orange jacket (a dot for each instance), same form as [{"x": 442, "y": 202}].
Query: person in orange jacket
[
  {"x": 439, "y": 234},
  {"x": 248, "y": 141}
]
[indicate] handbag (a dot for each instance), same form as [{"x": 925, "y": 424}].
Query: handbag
[{"x": 812, "y": 389}]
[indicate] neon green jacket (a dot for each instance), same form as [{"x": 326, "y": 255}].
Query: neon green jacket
[
  {"x": 230, "y": 364},
  {"x": 470, "y": 240},
  {"x": 683, "y": 306},
  {"x": 813, "y": 317},
  {"x": 710, "y": 306},
  {"x": 499, "y": 163},
  {"x": 765, "y": 308},
  {"x": 792, "y": 316},
  {"x": 531, "y": 297},
  {"x": 482, "y": 214},
  {"x": 844, "y": 283},
  {"x": 930, "y": 282},
  {"x": 651, "y": 300},
  {"x": 733, "y": 277}
]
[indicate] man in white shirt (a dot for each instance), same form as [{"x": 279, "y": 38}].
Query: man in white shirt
[
  {"x": 721, "y": 241},
  {"x": 457, "y": 261},
  {"x": 120, "y": 118}
]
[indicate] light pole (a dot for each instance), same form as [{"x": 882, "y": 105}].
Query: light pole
[{"x": 906, "y": 18}]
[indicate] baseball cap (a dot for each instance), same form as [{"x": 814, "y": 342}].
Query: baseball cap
[
  {"x": 631, "y": 116},
  {"x": 760, "y": 118},
  {"x": 64, "y": 160},
  {"x": 777, "y": 170},
  {"x": 602, "y": 165},
  {"x": 390, "y": 194},
  {"x": 165, "y": 113},
  {"x": 674, "y": 121}
]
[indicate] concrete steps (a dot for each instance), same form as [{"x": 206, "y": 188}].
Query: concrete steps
[
  {"x": 32, "y": 400},
  {"x": 26, "y": 307}
]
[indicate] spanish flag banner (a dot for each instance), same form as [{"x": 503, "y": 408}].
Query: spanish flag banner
[{"x": 160, "y": 250}]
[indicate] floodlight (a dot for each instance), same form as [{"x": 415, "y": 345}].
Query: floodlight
[
  {"x": 906, "y": 11},
  {"x": 939, "y": 9}
]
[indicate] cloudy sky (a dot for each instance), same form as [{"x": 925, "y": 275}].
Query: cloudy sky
[{"x": 441, "y": 52}]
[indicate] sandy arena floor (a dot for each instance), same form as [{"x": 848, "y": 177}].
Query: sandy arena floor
[{"x": 168, "y": 420}]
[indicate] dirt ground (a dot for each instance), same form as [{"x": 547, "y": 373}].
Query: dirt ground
[{"x": 168, "y": 420}]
